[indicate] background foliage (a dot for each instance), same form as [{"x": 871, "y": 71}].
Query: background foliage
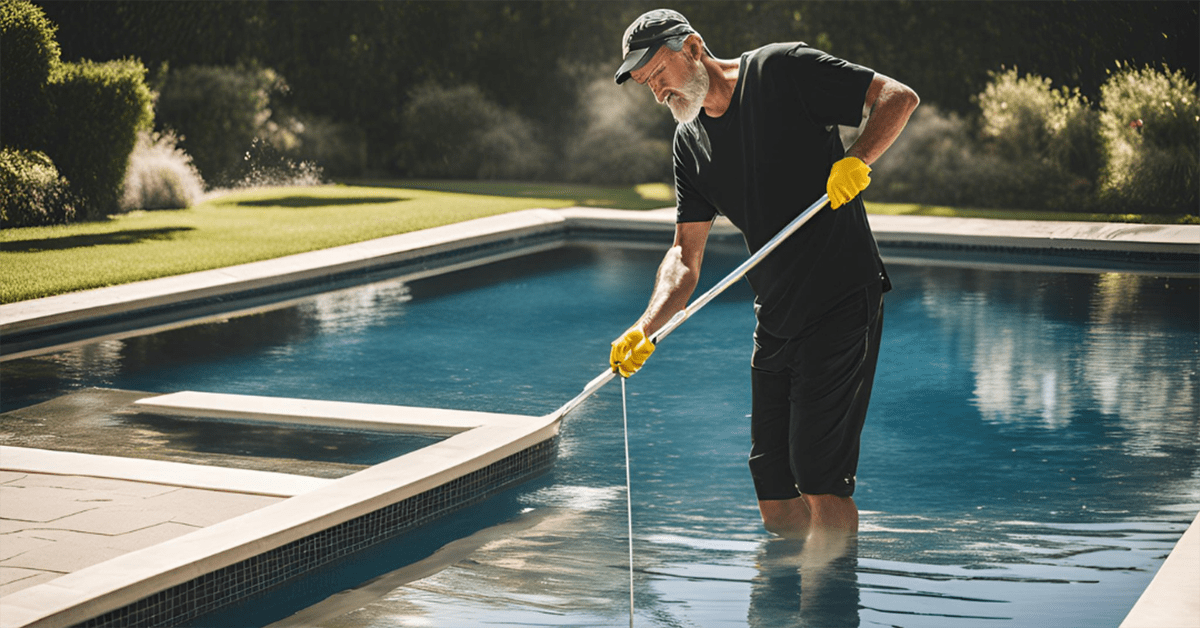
[
  {"x": 378, "y": 88},
  {"x": 69, "y": 126},
  {"x": 358, "y": 61}
]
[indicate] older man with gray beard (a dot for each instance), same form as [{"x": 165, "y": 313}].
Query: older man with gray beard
[{"x": 757, "y": 141}]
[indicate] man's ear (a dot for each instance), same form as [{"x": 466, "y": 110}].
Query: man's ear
[{"x": 694, "y": 46}]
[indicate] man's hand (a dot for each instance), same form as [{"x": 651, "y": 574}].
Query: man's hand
[
  {"x": 629, "y": 352},
  {"x": 847, "y": 178}
]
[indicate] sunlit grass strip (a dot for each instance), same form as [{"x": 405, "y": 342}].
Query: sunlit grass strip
[{"x": 235, "y": 229}]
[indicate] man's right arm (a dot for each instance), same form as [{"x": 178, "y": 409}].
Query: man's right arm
[
  {"x": 677, "y": 278},
  {"x": 677, "y": 275}
]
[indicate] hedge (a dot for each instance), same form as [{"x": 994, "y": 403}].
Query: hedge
[
  {"x": 98, "y": 110},
  {"x": 28, "y": 54}
]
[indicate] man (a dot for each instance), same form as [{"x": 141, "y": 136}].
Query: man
[{"x": 758, "y": 141}]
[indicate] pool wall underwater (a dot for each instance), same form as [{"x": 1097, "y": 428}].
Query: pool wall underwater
[{"x": 226, "y": 562}]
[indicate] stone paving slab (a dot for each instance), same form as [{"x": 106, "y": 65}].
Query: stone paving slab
[
  {"x": 51, "y": 525},
  {"x": 15, "y": 579},
  {"x": 39, "y": 505},
  {"x": 114, "y": 489}
]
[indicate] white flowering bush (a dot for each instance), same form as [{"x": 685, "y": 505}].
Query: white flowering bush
[{"x": 160, "y": 175}]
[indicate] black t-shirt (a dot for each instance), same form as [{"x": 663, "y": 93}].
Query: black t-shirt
[{"x": 767, "y": 159}]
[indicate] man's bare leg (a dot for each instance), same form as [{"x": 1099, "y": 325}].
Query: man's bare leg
[{"x": 797, "y": 518}]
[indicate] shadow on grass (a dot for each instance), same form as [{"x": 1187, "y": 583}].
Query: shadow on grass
[
  {"x": 319, "y": 201},
  {"x": 131, "y": 236}
]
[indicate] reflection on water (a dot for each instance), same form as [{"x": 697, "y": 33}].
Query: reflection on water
[
  {"x": 351, "y": 311},
  {"x": 1033, "y": 367}
]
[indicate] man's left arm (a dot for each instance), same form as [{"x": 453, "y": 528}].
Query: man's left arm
[{"x": 888, "y": 104}]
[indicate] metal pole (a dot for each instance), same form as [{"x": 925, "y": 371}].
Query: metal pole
[{"x": 677, "y": 320}]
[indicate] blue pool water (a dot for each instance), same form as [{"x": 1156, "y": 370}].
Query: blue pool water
[{"x": 1029, "y": 458}]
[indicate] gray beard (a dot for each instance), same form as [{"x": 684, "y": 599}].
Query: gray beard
[{"x": 686, "y": 105}]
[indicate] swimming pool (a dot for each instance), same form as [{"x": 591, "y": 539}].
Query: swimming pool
[{"x": 1029, "y": 455}]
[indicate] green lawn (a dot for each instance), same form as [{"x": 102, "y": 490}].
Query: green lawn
[
  {"x": 253, "y": 225},
  {"x": 233, "y": 229}
]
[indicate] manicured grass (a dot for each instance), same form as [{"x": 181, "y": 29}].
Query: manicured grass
[
  {"x": 234, "y": 229},
  {"x": 254, "y": 225}
]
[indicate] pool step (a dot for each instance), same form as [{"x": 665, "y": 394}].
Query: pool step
[{"x": 336, "y": 414}]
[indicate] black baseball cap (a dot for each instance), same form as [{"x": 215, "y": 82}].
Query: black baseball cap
[{"x": 646, "y": 35}]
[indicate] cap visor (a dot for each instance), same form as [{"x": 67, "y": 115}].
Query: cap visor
[{"x": 635, "y": 60}]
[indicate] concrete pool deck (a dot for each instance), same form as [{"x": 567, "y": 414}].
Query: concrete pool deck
[{"x": 82, "y": 535}]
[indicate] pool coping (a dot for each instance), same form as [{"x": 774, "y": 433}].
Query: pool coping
[
  {"x": 95, "y": 590},
  {"x": 1173, "y": 593}
]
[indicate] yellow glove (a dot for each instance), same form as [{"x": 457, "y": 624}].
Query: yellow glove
[
  {"x": 629, "y": 352},
  {"x": 848, "y": 177}
]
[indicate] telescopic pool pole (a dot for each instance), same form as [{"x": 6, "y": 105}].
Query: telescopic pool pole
[{"x": 695, "y": 306}]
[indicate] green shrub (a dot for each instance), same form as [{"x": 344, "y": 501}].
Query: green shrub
[
  {"x": 32, "y": 193},
  {"x": 1150, "y": 125},
  {"x": 1046, "y": 139},
  {"x": 928, "y": 163},
  {"x": 28, "y": 54},
  {"x": 99, "y": 109},
  {"x": 1016, "y": 113},
  {"x": 217, "y": 112},
  {"x": 459, "y": 133},
  {"x": 938, "y": 160},
  {"x": 160, "y": 175}
]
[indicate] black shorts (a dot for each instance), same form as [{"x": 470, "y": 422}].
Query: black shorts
[{"x": 810, "y": 401}]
